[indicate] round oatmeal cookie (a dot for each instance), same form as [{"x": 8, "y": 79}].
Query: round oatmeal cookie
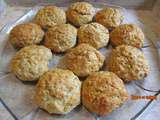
[
  {"x": 129, "y": 63},
  {"x": 84, "y": 60},
  {"x": 103, "y": 92},
  {"x": 93, "y": 34},
  {"x": 128, "y": 34},
  {"x": 31, "y": 62},
  {"x": 58, "y": 91},
  {"x": 26, "y": 34},
  {"x": 61, "y": 37},
  {"x": 109, "y": 17},
  {"x": 80, "y": 13},
  {"x": 49, "y": 16}
]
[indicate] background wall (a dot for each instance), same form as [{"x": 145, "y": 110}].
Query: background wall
[{"x": 143, "y": 4}]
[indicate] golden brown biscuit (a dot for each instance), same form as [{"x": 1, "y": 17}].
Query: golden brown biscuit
[
  {"x": 31, "y": 62},
  {"x": 129, "y": 63},
  {"x": 50, "y": 16},
  {"x": 109, "y": 17},
  {"x": 26, "y": 34},
  {"x": 58, "y": 91},
  {"x": 84, "y": 60},
  {"x": 128, "y": 34},
  {"x": 93, "y": 34},
  {"x": 103, "y": 92},
  {"x": 61, "y": 37},
  {"x": 80, "y": 13}
]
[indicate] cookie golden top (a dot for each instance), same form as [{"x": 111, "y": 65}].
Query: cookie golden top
[
  {"x": 129, "y": 63},
  {"x": 128, "y": 34},
  {"x": 83, "y": 60},
  {"x": 80, "y": 13},
  {"x": 93, "y": 34},
  {"x": 103, "y": 92},
  {"x": 109, "y": 17},
  {"x": 26, "y": 34},
  {"x": 58, "y": 91},
  {"x": 49, "y": 16},
  {"x": 61, "y": 37},
  {"x": 31, "y": 62}
]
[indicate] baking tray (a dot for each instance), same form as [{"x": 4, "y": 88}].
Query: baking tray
[{"x": 18, "y": 96}]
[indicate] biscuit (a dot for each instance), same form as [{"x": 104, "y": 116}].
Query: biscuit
[
  {"x": 58, "y": 91},
  {"x": 30, "y": 62},
  {"x": 109, "y": 17},
  {"x": 103, "y": 92},
  {"x": 61, "y": 37},
  {"x": 49, "y": 16},
  {"x": 128, "y": 34},
  {"x": 84, "y": 60},
  {"x": 80, "y": 13},
  {"x": 129, "y": 63},
  {"x": 26, "y": 34},
  {"x": 93, "y": 34}
]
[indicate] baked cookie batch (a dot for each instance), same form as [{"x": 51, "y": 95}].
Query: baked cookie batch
[
  {"x": 50, "y": 16},
  {"x": 58, "y": 91},
  {"x": 31, "y": 62},
  {"x": 128, "y": 63},
  {"x": 83, "y": 60},
  {"x": 109, "y": 17},
  {"x": 103, "y": 92},
  {"x": 60, "y": 38},
  {"x": 93, "y": 34},
  {"x": 79, "y": 32},
  {"x": 80, "y": 13},
  {"x": 26, "y": 34}
]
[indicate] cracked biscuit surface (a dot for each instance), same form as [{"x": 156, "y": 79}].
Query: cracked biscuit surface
[
  {"x": 80, "y": 13},
  {"x": 129, "y": 63},
  {"x": 30, "y": 62},
  {"x": 84, "y": 60},
  {"x": 93, "y": 34},
  {"x": 58, "y": 91},
  {"x": 61, "y": 37},
  {"x": 49, "y": 16},
  {"x": 128, "y": 34},
  {"x": 26, "y": 34},
  {"x": 103, "y": 92},
  {"x": 109, "y": 17}
]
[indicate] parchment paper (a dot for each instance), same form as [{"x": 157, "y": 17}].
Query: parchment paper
[{"x": 19, "y": 95}]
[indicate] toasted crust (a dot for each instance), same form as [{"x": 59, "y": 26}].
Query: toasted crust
[
  {"x": 103, "y": 92},
  {"x": 80, "y": 13},
  {"x": 26, "y": 34},
  {"x": 61, "y": 37},
  {"x": 128, "y": 34},
  {"x": 84, "y": 60},
  {"x": 93, "y": 34},
  {"x": 58, "y": 91},
  {"x": 109, "y": 17},
  {"x": 50, "y": 16},
  {"x": 31, "y": 62},
  {"x": 128, "y": 63}
]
